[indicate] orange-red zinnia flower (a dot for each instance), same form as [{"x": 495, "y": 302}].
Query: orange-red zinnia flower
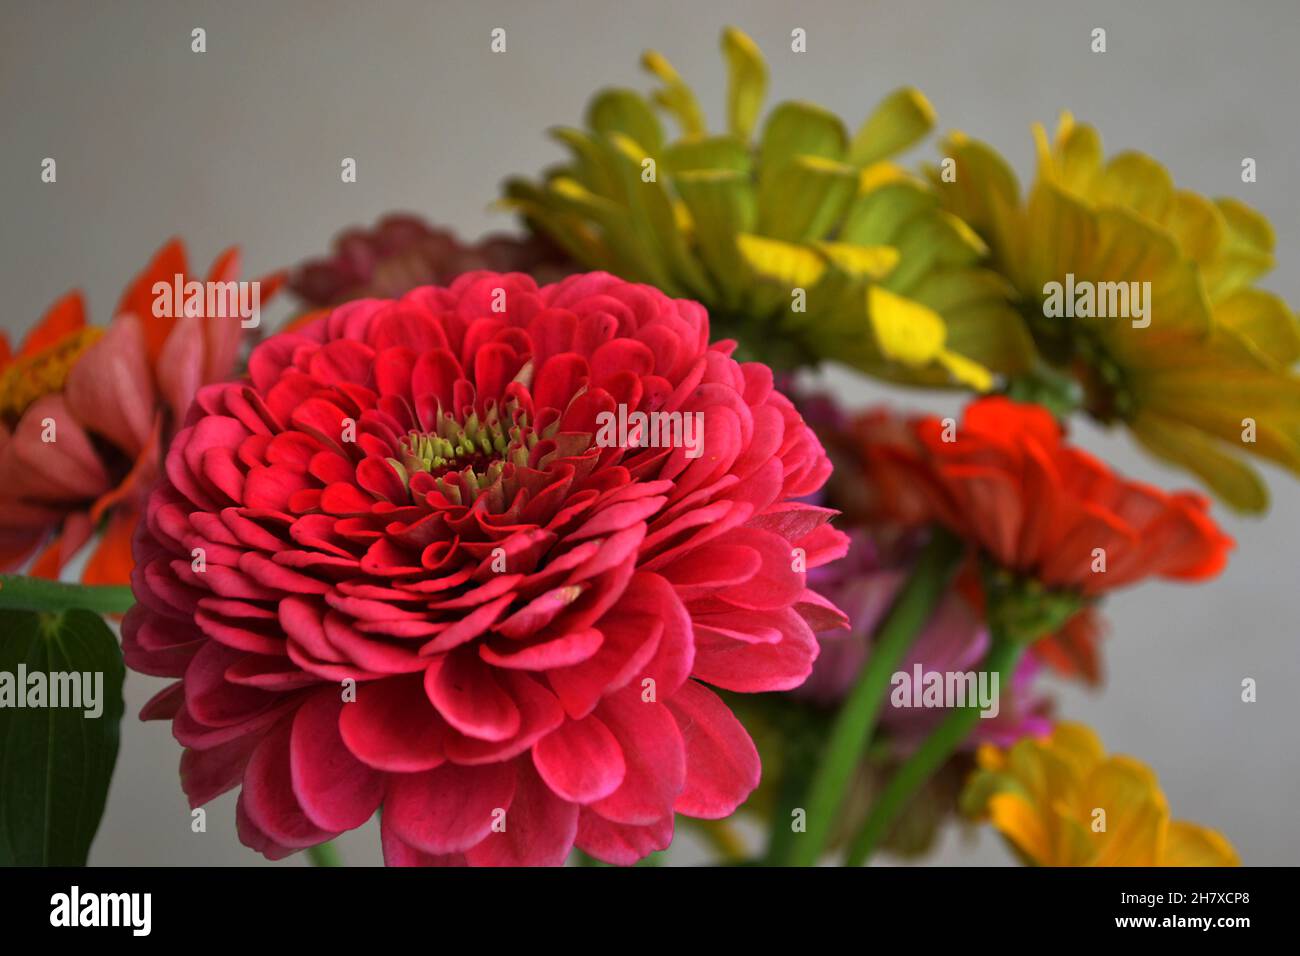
[
  {"x": 85, "y": 412},
  {"x": 1007, "y": 481}
]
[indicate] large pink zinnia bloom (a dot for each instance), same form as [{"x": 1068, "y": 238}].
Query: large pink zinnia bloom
[{"x": 530, "y": 619}]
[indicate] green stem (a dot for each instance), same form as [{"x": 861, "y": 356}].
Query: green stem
[
  {"x": 932, "y": 754},
  {"x": 798, "y": 766},
  {"x": 857, "y": 717},
  {"x": 324, "y": 854},
  {"x": 38, "y": 594}
]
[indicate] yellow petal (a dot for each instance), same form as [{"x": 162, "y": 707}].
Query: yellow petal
[
  {"x": 1136, "y": 812},
  {"x": 870, "y": 262},
  {"x": 1230, "y": 478},
  {"x": 785, "y": 262},
  {"x": 1018, "y": 821},
  {"x": 907, "y": 331},
  {"x": 1190, "y": 845}
]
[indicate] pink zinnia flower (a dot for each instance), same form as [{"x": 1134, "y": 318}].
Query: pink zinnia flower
[{"x": 530, "y": 619}]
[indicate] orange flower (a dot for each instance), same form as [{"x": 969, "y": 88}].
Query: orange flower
[
  {"x": 85, "y": 412},
  {"x": 1006, "y": 481}
]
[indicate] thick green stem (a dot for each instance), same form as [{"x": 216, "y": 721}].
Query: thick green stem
[
  {"x": 857, "y": 717},
  {"x": 932, "y": 754},
  {"x": 38, "y": 594},
  {"x": 324, "y": 854}
]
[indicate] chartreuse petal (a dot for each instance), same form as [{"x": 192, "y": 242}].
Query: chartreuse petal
[
  {"x": 795, "y": 130},
  {"x": 626, "y": 112},
  {"x": 804, "y": 198},
  {"x": 675, "y": 96},
  {"x": 902, "y": 118},
  {"x": 708, "y": 153},
  {"x": 721, "y": 204},
  {"x": 746, "y": 81}
]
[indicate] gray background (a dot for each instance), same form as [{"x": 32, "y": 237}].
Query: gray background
[{"x": 243, "y": 143}]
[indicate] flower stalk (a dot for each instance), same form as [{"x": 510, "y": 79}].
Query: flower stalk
[
  {"x": 38, "y": 594},
  {"x": 929, "y": 757},
  {"x": 856, "y": 720}
]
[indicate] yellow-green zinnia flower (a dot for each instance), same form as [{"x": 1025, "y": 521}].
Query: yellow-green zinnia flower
[
  {"x": 1206, "y": 373},
  {"x": 804, "y": 243}
]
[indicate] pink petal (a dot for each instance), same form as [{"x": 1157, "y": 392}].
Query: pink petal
[
  {"x": 449, "y": 809},
  {"x": 336, "y": 791},
  {"x": 722, "y": 765}
]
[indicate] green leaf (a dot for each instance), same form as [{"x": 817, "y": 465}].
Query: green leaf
[{"x": 56, "y": 762}]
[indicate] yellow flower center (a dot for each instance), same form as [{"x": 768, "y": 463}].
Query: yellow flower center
[{"x": 44, "y": 373}]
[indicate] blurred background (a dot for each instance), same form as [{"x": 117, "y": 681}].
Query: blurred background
[{"x": 242, "y": 144}]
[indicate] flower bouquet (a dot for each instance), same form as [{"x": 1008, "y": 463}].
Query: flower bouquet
[{"x": 551, "y": 548}]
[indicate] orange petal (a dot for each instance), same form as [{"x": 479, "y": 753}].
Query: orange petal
[
  {"x": 64, "y": 317},
  {"x": 138, "y": 298},
  {"x": 111, "y": 563},
  {"x": 77, "y": 530}
]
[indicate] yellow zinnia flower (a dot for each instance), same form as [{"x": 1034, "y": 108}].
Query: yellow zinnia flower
[
  {"x": 804, "y": 244},
  {"x": 1207, "y": 369},
  {"x": 1062, "y": 802}
]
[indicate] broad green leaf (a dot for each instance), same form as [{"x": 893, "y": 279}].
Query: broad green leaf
[
  {"x": 56, "y": 762},
  {"x": 747, "y": 81},
  {"x": 902, "y": 118}
]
